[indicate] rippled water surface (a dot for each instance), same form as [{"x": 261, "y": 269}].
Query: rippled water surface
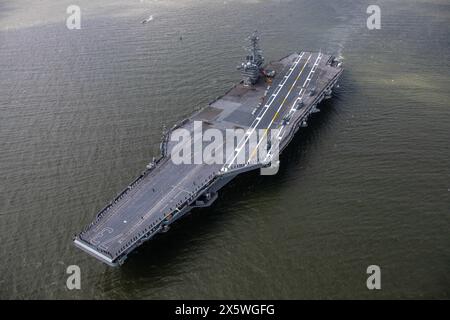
[{"x": 368, "y": 182}]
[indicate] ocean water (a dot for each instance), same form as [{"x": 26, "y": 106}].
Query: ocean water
[{"x": 368, "y": 182}]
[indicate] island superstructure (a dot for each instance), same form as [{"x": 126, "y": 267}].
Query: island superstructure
[{"x": 281, "y": 95}]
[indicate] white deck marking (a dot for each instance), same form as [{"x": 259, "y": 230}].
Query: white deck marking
[
  {"x": 301, "y": 94},
  {"x": 266, "y": 107},
  {"x": 278, "y": 110}
]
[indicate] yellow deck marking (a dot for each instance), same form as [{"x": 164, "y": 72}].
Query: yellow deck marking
[{"x": 282, "y": 104}]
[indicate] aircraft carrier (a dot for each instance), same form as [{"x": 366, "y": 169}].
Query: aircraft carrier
[{"x": 277, "y": 97}]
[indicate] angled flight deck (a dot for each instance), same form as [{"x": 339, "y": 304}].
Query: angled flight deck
[{"x": 280, "y": 96}]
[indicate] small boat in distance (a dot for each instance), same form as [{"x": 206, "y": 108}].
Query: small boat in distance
[{"x": 150, "y": 18}]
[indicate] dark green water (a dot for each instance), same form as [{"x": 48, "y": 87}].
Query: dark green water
[{"x": 368, "y": 182}]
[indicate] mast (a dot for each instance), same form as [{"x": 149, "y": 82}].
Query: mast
[{"x": 251, "y": 67}]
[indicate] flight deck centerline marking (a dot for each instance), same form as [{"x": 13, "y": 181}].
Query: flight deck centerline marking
[
  {"x": 271, "y": 100},
  {"x": 267, "y": 107},
  {"x": 275, "y": 116},
  {"x": 153, "y": 210},
  {"x": 285, "y": 77},
  {"x": 279, "y": 108},
  {"x": 301, "y": 94},
  {"x": 115, "y": 208}
]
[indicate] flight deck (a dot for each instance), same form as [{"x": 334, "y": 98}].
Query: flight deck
[{"x": 281, "y": 95}]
